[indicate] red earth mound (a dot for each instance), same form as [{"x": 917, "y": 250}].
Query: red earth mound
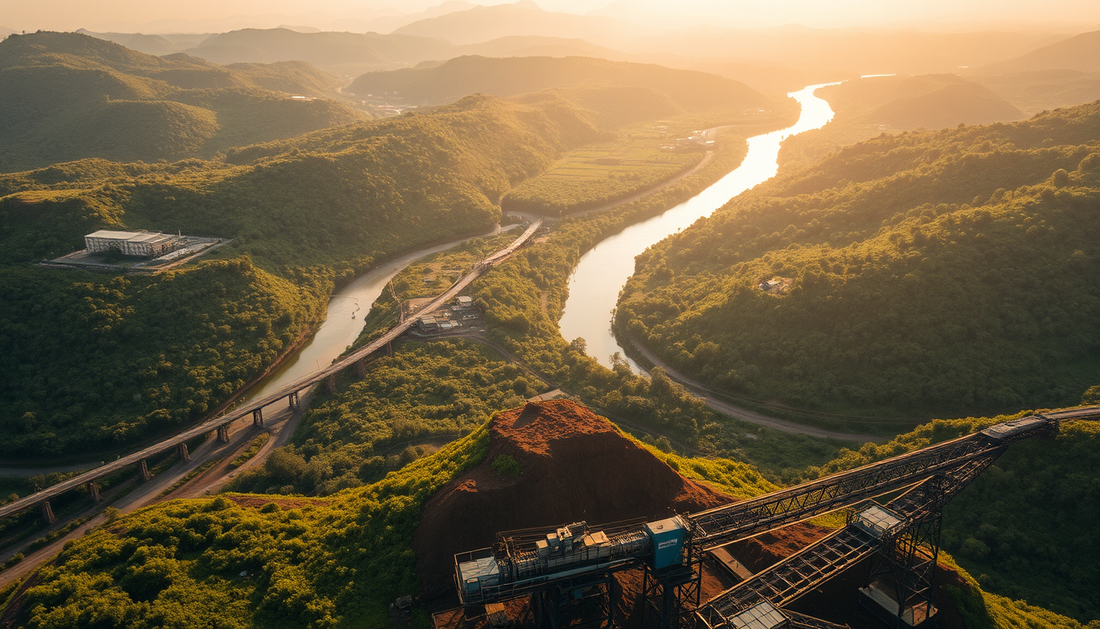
[{"x": 575, "y": 466}]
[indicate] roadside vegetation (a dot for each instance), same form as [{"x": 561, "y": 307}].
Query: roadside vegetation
[
  {"x": 938, "y": 273},
  {"x": 99, "y": 362},
  {"x": 427, "y": 394}
]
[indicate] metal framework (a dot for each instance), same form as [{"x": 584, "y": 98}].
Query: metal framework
[
  {"x": 671, "y": 594},
  {"x": 590, "y": 598},
  {"x": 906, "y": 551},
  {"x": 722, "y": 525},
  {"x": 913, "y": 565}
]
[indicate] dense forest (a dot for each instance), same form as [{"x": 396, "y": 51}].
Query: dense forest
[
  {"x": 307, "y": 213},
  {"x": 934, "y": 273},
  {"x": 65, "y": 96}
]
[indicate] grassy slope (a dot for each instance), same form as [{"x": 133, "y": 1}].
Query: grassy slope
[
  {"x": 933, "y": 273},
  {"x": 308, "y": 213},
  {"x": 65, "y": 96}
]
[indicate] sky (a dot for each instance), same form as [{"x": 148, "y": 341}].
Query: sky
[{"x": 152, "y": 16}]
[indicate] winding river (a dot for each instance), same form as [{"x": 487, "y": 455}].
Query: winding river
[
  {"x": 595, "y": 283},
  {"x": 347, "y": 310},
  {"x": 603, "y": 271}
]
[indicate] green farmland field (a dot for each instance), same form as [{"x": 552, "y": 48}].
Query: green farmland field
[{"x": 605, "y": 172}]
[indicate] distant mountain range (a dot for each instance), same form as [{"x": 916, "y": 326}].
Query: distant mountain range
[
  {"x": 930, "y": 101},
  {"x": 447, "y": 82},
  {"x": 484, "y": 23},
  {"x": 342, "y": 53},
  {"x": 64, "y": 96},
  {"x": 1080, "y": 53}
]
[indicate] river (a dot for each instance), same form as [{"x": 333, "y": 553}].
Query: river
[
  {"x": 603, "y": 271},
  {"x": 340, "y": 328}
]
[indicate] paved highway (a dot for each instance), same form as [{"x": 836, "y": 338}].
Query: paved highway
[{"x": 294, "y": 387}]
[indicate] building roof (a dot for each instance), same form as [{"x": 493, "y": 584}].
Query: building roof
[{"x": 130, "y": 236}]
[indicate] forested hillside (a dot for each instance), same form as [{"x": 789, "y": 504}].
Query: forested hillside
[
  {"x": 936, "y": 273},
  {"x": 66, "y": 96},
  {"x": 284, "y": 561},
  {"x": 304, "y": 215}
]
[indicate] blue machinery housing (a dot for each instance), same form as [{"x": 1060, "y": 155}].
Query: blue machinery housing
[{"x": 671, "y": 550}]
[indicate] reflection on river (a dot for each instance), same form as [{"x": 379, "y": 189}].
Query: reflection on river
[
  {"x": 595, "y": 284},
  {"x": 341, "y": 328}
]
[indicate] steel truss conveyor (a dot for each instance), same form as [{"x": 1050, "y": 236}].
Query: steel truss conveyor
[
  {"x": 670, "y": 547},
  {"x": 722, "y": 525},
  {"x": 873, "y": 530}
]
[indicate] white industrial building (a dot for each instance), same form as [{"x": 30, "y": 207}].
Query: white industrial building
[{"x": 142, "y": 244}]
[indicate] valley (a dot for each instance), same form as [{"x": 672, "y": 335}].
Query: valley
[{"x": 693, "y": 296}]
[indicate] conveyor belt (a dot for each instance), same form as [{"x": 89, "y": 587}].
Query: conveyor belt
[{"x": 786, "y": 581}]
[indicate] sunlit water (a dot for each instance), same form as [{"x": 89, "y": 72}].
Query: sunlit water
[
  {"x": 341, "y": 328},
  {"x": 603, "y": 271}
]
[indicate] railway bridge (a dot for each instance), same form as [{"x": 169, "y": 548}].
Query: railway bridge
[{"x": 255, "y": 408}]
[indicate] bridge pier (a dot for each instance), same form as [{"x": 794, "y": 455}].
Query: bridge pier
[
  {"x": 330, "y": 384},
  {"x": 181, "y": 450},
  {"x": 93, "y": 491},
  {"x": 145, "y": 475},
  {"x": 223, "y": 433},
  {"x": 258, "y": 417},
  {"x": 389, "y": 349},
  {"x": 47, "y": 512},
  {"x": 361, "y": 368}
]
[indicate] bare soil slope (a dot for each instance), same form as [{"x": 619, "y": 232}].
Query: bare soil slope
[{"x": 575, "y": 466}]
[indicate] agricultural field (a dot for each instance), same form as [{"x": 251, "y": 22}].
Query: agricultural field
[{"x": 605, "y": 172}]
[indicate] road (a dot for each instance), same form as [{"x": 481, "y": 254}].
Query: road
[
  {"x": 247, "y": 409},
  {"x": 744, "y": 414}
]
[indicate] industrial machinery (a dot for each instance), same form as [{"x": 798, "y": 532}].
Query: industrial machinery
[{"x": 902, "y": 534}]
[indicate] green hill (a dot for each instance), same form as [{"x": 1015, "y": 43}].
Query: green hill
[
  {"x": 938, "y": 273},
  {"x": 1080, "y": 53},
  {"x": 948, "y": 106},
  {"x": 458, "y": 77},
  {"x": 66, "y": 96},
  {"x": 340, "y": 53},
  {"x": 932, "y": 101},
  {"x": 305, "y": 214}
]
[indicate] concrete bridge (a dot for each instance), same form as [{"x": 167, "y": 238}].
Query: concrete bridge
[{"x": 290, "y": 393}]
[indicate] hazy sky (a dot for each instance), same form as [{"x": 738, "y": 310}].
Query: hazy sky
[{"x": 207, "y": 15}]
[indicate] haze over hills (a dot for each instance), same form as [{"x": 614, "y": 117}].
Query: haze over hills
[
  {"x": 1080, "y": 53},
  {"x": 927, "y": 101},
  {"x": 65, "y": 96},
  {"x": 484, "y": 23},
  {"x": 849, "y": 51},
  {"x": 343, "y": 53},
  {"x": 519, "y": 75}
]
